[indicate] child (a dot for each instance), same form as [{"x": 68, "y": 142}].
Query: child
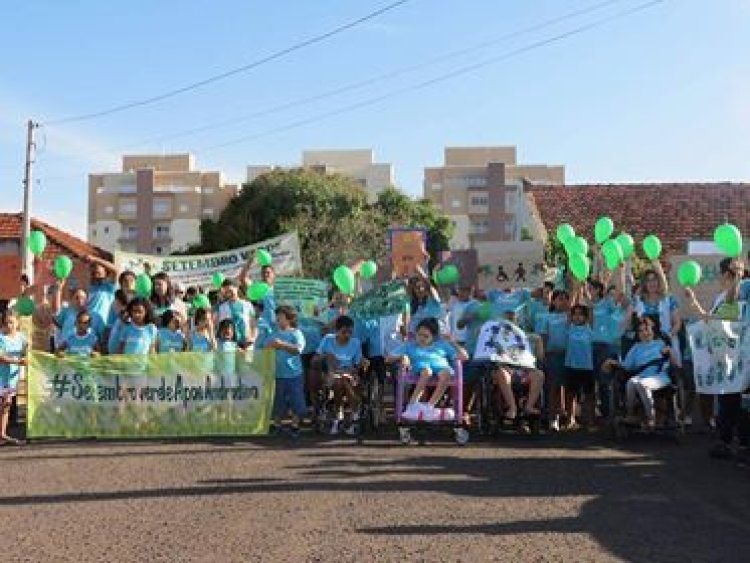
[
  {"x": 13, "y": 348},
  {"x": 202, "y": 337},
  {"x": 428, "y": 356},
  {"x": 139, "y": 336},
  {"x": 554, "y": 331},
  {"x": 343, "y": 355},
  {"x": 169, "y": 338},
  {"x": 227, "y": 341},
  {"x": 240, "y": 312},
  {"x": 120, "y": 310},
  {"x": 457, "y": 309},
  {"x": 288, "y": 342},
  {"x": 83, "y": 342},
  {"x": 262, "y": 327},
  {"x": 579, "y": 365}
]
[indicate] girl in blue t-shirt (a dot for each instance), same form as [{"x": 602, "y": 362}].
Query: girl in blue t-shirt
[
  {"x": 428, "y": 357},
  {"x": 13, "y": 348},
  {"x": 554, "y": 331},
  {"x": 139, "y": 336},
  {"x": 83, "y": 342},
  {"x": 342, "y": 353},
  {"x": 202, "y": 337},
  {"x": 169, "y": 337},
  {"x": 425, "y": 302},
  {"x": 227, "y": 347},
  {"x": 579, "y": 365}
]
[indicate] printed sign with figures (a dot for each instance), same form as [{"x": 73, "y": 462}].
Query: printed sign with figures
[
  {"x": 721, "y": 356},
  {"x": 504, "y": 343}
]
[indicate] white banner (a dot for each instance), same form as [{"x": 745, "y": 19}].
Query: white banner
[
  {"x": 198, "y": 269},
  {"x": 505, "y": 343},
  {"x": 721, "y": 356}
]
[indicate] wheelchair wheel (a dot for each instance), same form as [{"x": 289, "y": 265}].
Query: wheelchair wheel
[{"x": 375, "y": 414}]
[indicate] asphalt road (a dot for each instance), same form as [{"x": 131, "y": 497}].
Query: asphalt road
[{"x": 567, "y": 498}]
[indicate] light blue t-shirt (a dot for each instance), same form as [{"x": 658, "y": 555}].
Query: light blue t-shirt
[
  {"x": 101, "y": 298},
  {"x": 436, "y": 356},
  {"x": 137, "y": 339},
  {"x": 603, "y": 311},
  {"x": 13, "y": 348},
  {"x": 240, "y": 313},
  {"x": 311, "y": 329},
  {"x": 348, "y": 355},
  {"x": 642, "y": 353},
  {"x": 580, "y": 351},
  {"x": 170, "y": 341},
  {"x": 269, "y": 309},
  {"x": 537, "y": 311},
  {"x": 556, "y": 330},
  {"x": 66, "y": 318},
  {"x": 288, "y": 365},
  {"x": 199, "y": 342},
  {"x": 226, "y": 346},
  {"x": 113, "y": 344},
  {"x": 81, "y": 345}
]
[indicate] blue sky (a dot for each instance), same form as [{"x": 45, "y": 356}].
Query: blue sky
[{"x": 658, "y": 95}]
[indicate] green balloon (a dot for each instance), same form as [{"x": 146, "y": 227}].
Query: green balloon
[
  {"x": 143, "y": 286},
  {"x": 627, "y": 244},
  {"x": 580, "y": 265},
  {"x": 62, "y": 267},
  {"x": 263, "y": 257},
  {"x": 217, "y": 279},
  {"x": 449, "y": 275},
  {"x": 652, "y": 247},
  {"x": 565, "y": 232},
  {"x": 369, "y": 269},
  {"x": 689, "y": 274},
  {"x": 729, "y": 239},
  {"x": 577, "y": 245},
  {"x": 343, "y": 277},
  {"x": 37, "y": 243},
  {"x": 258, "y": 291},
  {"x": 201, "y": 301},
  {"x": 25, "y": 306},
  {"x": 613, "y": 254},
  {"x": 603, "y": 229}
]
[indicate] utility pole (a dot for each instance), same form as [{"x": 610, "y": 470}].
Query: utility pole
[{"x": 27, "y": 260}]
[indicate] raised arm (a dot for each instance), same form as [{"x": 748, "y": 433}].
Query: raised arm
[
  {"x": 109, "y": 266},
  {"x": 661, "y": 275}
]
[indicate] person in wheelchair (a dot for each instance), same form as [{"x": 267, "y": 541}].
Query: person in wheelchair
[
  {"x": 646, "y": 367},
  {"x": 430, "y": 357},
  {"x": 342, "y": 353}
]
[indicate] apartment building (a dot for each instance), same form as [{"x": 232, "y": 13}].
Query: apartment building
[
  {"x": 155, "y": 204},
  {"x": 358, "y": 164},
  {"x": 482, "y": 190}
]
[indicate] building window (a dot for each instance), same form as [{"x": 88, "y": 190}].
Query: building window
[
  {"x": 159, "y": 250},
  {"x": 184, "y": 208},
  {"x": 127, "y": 207},
  {"x": 480, "y": 227},
  {"x": 161, "y": 231},
  {"x": 208, "y": 212},
  {"x": 109, "y": 210},
  {"x": 131, "y": 233},
  {"x": 456, "y": 203},
  {"x": 106, "y": 230},
  {"x": 437, "y": 186},
  {"x": 479, "y": 200},
  {"x": 162, "y": 207},
  {"x": 208, "y": 191},
  {"x": 476, "y": 182}
]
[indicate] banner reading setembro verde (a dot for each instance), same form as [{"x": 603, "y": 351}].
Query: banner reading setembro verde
[
  {"x": 180, "y": 394},
  {"x": 199, "y": 268}
]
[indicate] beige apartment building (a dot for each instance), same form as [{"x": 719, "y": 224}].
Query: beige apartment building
[
  {"x": 155, "y": 204},
  {"x": 481, "y": 190},
  {"x": 358, "y": 164}
]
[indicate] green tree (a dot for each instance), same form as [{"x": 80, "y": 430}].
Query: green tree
[{"x": 331, "y": 213}]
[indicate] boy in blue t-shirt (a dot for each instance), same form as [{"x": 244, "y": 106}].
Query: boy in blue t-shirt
[
  {"x": 13, "y": 348},
  {"x": 169, "y": 337},
  {"x": 83, "y": 342},
  {"x": 342, "y": 353},
  {"x": 579, "y": 365},
  {"x": 288, "y": 341}
]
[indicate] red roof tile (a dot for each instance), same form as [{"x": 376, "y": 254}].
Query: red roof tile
[{"x": 676, "y": 213}]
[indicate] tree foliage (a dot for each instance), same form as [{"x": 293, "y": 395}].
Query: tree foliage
[{"x": 335, "y": 222}]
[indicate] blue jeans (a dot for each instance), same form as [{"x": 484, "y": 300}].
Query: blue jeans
[
  {"x": 289, "y": 395},
  {"x": 603, "y": 351}
]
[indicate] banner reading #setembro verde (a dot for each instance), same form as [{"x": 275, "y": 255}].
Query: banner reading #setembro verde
[{"x": 181, "y": 394}]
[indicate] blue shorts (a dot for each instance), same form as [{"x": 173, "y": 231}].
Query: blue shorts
[
  {"x": 434, "y": 368},
  {"x": 289, "y": 395}
]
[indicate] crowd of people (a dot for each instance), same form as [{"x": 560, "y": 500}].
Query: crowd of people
[{"x": 581, "y": 332}]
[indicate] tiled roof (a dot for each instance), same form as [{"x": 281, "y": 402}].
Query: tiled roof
[
  {"x": 675, "y": 212},
  {"x": 10, "y": 227}
]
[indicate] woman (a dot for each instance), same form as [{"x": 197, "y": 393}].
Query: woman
[
  {"x": 729, "y": 305},
  {"x": 163, "y": 297},
  {"x": 425, "y": 303},
  {"x": 654, "y": 300}
]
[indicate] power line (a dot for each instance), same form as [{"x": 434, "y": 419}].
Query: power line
[
  {"x": 441, "y": 78},
  {"x": 368, "y": 81},
  {"x": 232, "y": 72}
]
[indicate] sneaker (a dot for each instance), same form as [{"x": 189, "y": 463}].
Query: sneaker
[
  {"x": 554, "y": 426},
  {"x": 430, "y": 413},
  {"x": 412, "y": 411},
  {"x": 352, "y": 429},
  {"x": 688, "y": 420},
  {"x": 335, "y": 427}
]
